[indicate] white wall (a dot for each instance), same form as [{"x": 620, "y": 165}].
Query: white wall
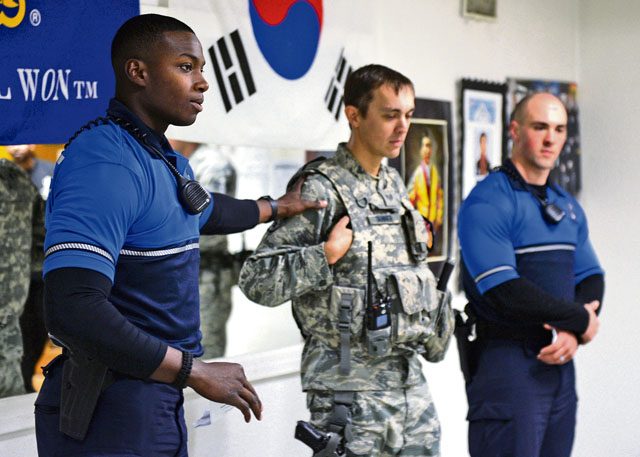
[
  {"x": 609, "y": 75},
  {"x": 432, "y": 44}
]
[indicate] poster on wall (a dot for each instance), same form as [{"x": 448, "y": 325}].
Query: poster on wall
[
  {"x": 567, "y": 172},
  {"x": 482, "y": 137},
  {"x": 425, "y": 165}
]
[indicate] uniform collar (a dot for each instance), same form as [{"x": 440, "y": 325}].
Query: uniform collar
[
  {"x": 381, "y": 184},
  {"x": 120, "y": 110},
  {"x": 347, "y": 161},
  {"x": 515, "y": 178}
]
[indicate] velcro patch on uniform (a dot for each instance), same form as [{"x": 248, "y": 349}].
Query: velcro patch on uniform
[{"x": 380, "y": 219}]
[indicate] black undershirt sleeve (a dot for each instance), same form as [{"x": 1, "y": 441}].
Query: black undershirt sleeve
[
  {"x": 523, "y": 300},
  {"x": 231, "y": 215},
  {"x": 589, "y": 289},
  {"x": 78, "y": 312}
]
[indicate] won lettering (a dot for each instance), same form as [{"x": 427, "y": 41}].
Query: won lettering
[{"x": 53, "y": 84}]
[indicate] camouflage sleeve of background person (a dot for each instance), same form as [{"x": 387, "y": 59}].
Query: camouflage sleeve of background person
[
  {"x": 290, "y": 260},
  {"x": 38, "y": 232}
]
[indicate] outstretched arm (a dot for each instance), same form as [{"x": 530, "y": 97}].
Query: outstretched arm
[{"x": 230, "y": 215}]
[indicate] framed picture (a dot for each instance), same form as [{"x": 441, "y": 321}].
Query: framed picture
[
  {"x": 567, "y": 172},
  {"x": 480, "y": 9},
  {"x": 482, "y": 109},
  {"x": 425, "y": 165}
]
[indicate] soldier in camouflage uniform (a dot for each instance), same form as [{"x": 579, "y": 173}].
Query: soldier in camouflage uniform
[
  {"x": 20, "y": 216},
  {"x": 319, "y": 260},
  {"x": 34, "y": 333},
  {"x": 218, "y": 274}
]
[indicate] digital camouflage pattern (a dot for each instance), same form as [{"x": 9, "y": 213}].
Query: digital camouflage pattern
[
  {"x": 445, "y": 324},
  {"x": 18, "y": 204},
  {"x": 290, "y": 264},
  {"x": 393, "y": 413},
  {"x": 218, "y": 272},
  {"x": 217, "y": 277},
  {"x": 407, "y": 420}
]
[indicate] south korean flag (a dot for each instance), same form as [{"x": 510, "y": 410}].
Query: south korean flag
[{"x": 276, "y": 70}]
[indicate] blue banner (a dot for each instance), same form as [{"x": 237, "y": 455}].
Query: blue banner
[{"x": 55, "y": 65}]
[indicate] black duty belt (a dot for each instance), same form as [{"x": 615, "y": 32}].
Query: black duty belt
[{"x": 490, "y": 330}]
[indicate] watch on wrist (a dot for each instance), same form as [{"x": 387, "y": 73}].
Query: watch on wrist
[{"x": 274, "y": 206}]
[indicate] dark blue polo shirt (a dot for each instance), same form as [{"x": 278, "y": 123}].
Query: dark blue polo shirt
[
  {"x": 113, "y": 208},
  {"x": 503, "y": 236}
]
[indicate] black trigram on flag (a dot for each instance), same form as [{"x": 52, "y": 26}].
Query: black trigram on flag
[
  {"x": 232, "y": 73},
  {"x": 334, "y": 96}
]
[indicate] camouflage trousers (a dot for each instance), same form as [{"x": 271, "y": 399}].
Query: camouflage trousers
[
  {"x": 387, "y": 423},
  {"x": 215, "y": 308},
  {"x": 11, "y": 382}
]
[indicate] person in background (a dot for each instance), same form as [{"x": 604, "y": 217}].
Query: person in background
[
  {"x": 34, "y": 333},
  {"x": 218, "y": 270},
  {"x": 21, "y": 232},
  {"x": 534, "y": 285},
  {"x": 40, "y": 171}
]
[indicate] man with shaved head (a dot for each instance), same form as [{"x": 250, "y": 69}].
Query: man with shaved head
[
  {"x": 534, "y": 285},
  {"x": 121, "y": 261}
]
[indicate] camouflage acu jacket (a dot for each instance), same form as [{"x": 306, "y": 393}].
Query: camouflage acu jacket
[
  {"x": 290, "y": 264},
  {"x": 19, "y": 202},
  {"x": 213, "y": 169}
]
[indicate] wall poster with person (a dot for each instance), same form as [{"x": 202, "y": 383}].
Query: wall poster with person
[
  {"x": 482, "y": 130},
  {"x": 425, "y": 166}
]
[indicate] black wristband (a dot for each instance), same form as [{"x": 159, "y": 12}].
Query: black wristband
[
  {"x": 181, "y": 379},
  {"x": 274, "y": 206}
]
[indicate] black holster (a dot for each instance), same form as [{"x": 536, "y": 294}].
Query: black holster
[
  {"x": 83, "y": 379},
  {"x": 467, "y": 342}
]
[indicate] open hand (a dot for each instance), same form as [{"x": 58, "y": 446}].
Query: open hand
[
  {"x": 225, "y": 382},
  {"x": 291, "y": 204}
]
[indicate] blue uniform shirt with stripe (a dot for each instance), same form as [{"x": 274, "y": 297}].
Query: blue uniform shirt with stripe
[
  {"x": 503, "y": 236},
  {"x": 113, "y": 208}
]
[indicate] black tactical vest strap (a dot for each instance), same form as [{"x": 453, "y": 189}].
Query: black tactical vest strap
[
  {"x": 344, "y": 326},
  {"x": 340, "y": 420}
]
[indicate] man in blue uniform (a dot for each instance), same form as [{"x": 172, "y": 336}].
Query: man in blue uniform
[
  {"x": 534, "y": 284},
  {"x": 121, "y": 265}
]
